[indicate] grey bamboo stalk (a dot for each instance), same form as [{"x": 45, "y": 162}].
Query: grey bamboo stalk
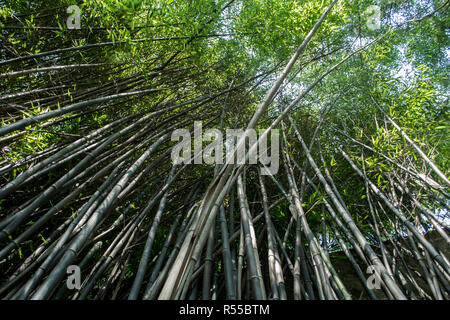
[
  {"x": 32, "y": 283},
  {"x": 275, "y": 270},
  {"x": 219, "y": 182},
  {"x": 435, "y": 255},
  {"x": 254, "y": 276},
  {"x": 206, "y": 284},
  {"x": 226, "y": 253},
  {"x": 316, "y": 249},
  {"x": 148, "y": 245},
  {"x": 151, "y": 292},
  {"x": 351, "y": 224},
  {"x": 46, "y": 287}
]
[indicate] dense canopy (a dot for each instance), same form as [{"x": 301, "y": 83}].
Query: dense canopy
[{"x": 357, "y": 91}]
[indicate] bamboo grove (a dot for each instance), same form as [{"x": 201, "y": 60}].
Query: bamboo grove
[{"x": 87, "y": 177}]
